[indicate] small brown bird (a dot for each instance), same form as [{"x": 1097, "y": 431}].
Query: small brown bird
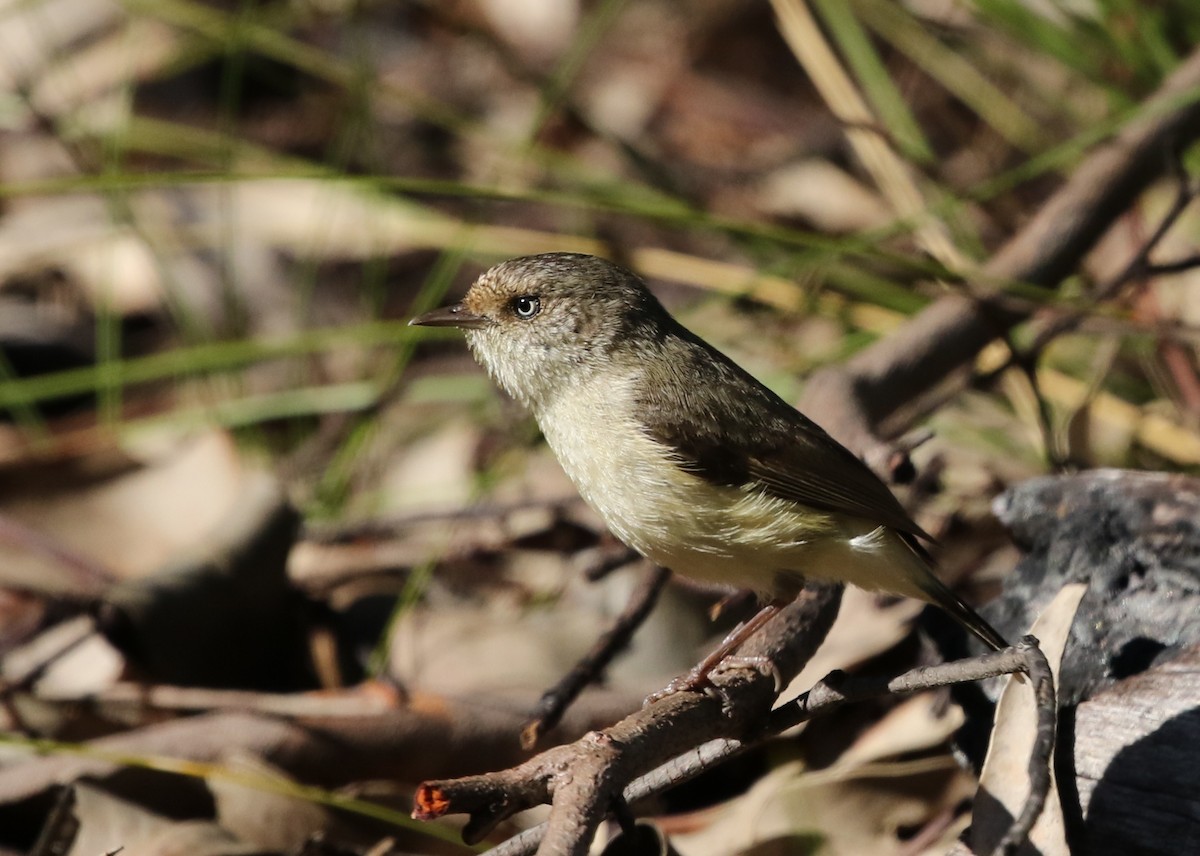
[{"x": 689, "y": 460}]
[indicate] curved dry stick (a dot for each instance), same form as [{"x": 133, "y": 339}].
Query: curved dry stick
[{"x": 1040, "y": 758}]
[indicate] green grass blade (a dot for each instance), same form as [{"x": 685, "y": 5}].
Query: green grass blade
[
  {"x": 882, "y": 93},
  {"x": 953, "y": 71}
]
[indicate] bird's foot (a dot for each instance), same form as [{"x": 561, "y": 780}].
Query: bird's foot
[
  {"x": 765, "y": 665},
  {"x": 698, "y": 680},
  {"x": 695, "y": 681}
]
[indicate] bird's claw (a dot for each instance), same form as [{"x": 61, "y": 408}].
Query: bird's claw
[{"x": 699, "y": 679}]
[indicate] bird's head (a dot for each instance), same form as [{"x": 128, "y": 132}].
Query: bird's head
[{"x": 539, "y": 323}]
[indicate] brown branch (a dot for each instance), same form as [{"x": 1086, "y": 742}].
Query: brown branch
[
  {"x": 837, "y": 690},
  {"x": 852, "y": 401},
  {"x": 583, "y": 780}
]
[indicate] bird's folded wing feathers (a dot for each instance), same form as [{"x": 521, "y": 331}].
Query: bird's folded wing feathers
[
  {"x": 737, "y": 432},
  {"x": 854, "y": 491}
]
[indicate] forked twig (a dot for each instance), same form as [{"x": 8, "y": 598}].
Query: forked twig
[{"x": 582, "y": 780}]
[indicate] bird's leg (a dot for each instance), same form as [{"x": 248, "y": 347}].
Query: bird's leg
[
  {"x": 734, "y": 600},
  {"x": 697, "y": 679}
]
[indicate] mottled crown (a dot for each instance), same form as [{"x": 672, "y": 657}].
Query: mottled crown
[{"x": 587, "y": 309}]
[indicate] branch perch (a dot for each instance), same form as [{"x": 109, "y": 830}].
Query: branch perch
[
  {"x": 583, "y": 780},
  {"x": 686, "y": 734}
]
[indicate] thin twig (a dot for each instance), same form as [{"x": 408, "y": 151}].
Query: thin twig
[
  {"x": 1178, "y": 266},
  {"x": 609, "y": 561},
  {"x": 557, "y": 699}
]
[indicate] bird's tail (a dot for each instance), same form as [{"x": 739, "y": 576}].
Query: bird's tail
[
  {"x": 939, "y": 595},
  {"x": 942, "y": 597}
]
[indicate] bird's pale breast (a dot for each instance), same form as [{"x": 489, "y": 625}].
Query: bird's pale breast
[{"x": 730, "y": 535}]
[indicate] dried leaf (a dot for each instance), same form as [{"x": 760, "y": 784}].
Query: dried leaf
[
  {"x": 271, "y": 820},
  {"x": 108, "y": 824},
  {"x": 1004, "y": 777}
]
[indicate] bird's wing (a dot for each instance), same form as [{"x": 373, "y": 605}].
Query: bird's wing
[
  {"x": 813, "y": 472},
  {"x": 725, "y": 426}
]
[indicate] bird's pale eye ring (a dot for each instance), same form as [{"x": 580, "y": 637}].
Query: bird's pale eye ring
[{"x": 525, "y": 306}]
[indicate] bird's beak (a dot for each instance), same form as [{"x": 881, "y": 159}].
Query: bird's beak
[{"x": 454, "y": 315}]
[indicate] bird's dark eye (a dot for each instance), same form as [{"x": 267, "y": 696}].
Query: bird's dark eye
[{"x": 525, "y": 306}]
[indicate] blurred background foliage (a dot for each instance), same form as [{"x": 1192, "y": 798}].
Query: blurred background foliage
[
  {"x": 216, "y": 218},
  {"x": 222, "y": 212}
]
